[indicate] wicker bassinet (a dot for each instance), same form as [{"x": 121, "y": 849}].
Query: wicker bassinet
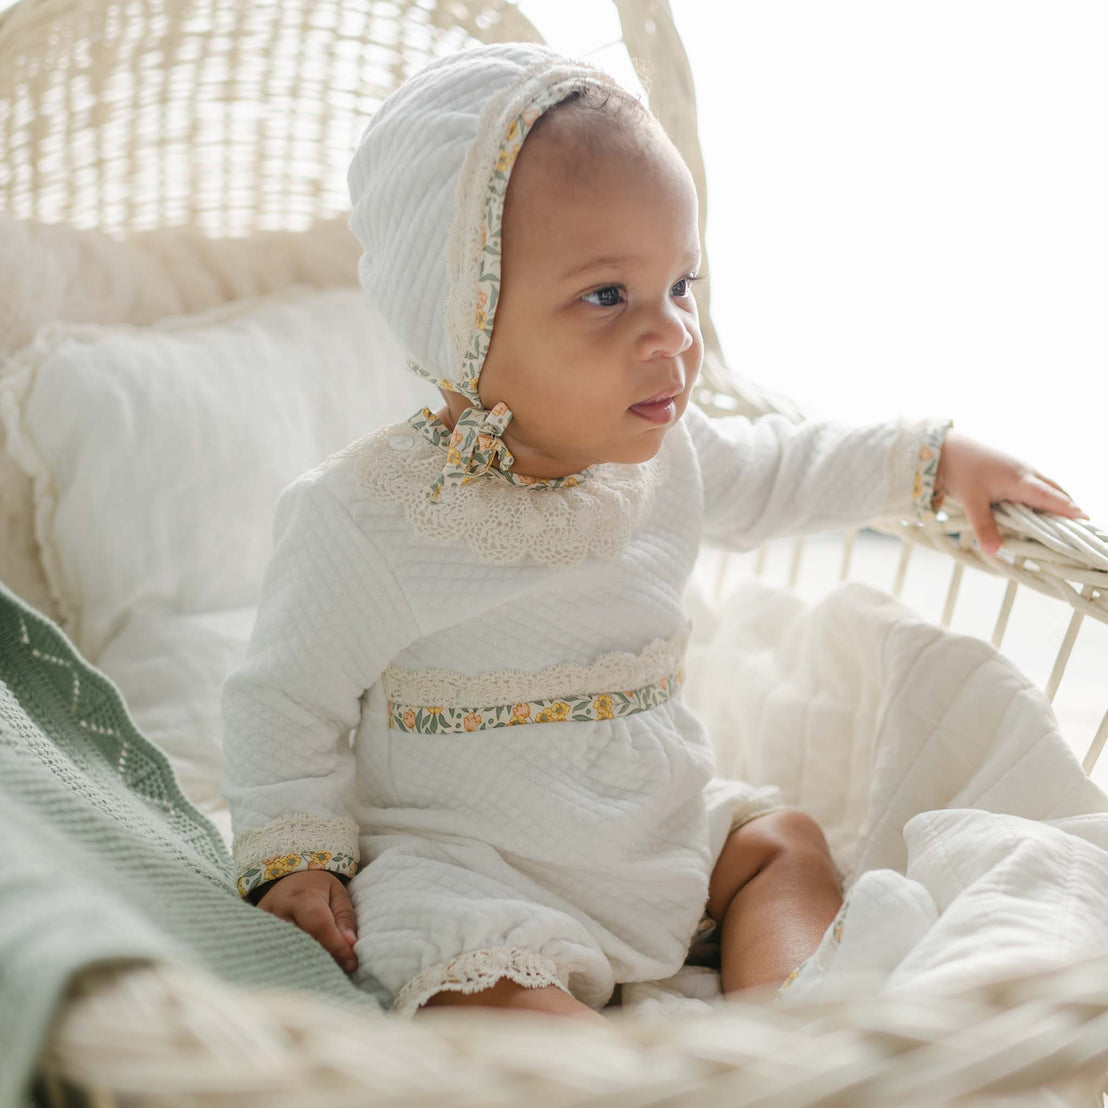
[{"x": 224, "y": 130}]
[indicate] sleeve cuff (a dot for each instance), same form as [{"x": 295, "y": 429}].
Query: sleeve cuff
[
  {"x": 299, "y": 842},
  {"x": 927, "y": 497},
  {"x": 913, "y": 467}
]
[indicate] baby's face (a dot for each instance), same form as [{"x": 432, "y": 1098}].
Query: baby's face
[{"x": 596, "y": 312}]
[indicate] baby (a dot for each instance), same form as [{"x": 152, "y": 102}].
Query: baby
[{"x": 456, "y": 749}]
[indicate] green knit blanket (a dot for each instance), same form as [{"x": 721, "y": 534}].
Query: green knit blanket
[{"x": 104, "y": 858}]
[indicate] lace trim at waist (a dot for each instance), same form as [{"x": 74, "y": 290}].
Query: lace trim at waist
[{"x": 574, "y": 707}]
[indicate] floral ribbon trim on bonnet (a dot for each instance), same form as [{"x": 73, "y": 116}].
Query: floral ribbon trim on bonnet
[
  {"x": 283, "y": 864},
  {"x": 475, "y": 447},
  {"x": 926, "y": 496},
  {"x": 578, "y": 707}
]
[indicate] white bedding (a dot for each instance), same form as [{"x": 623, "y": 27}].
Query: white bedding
[{"x": 971, "y": 844}]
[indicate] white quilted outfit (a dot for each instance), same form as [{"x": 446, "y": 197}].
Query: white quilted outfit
[{"x": 469, "y": 704}]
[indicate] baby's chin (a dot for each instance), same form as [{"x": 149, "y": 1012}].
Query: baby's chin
[{"x": 637, "y": 448}]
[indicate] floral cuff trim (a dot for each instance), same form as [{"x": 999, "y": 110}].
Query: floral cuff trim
[
  {"x": 481, "y": 969},
  {"x": 927, "y": 496},
  {"x": 295, "y": 842},
  {"x": 283, "y": 864},
  {"x": 576, "y": 708}
]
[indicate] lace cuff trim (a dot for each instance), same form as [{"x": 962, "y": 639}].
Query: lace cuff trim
[
  {"x": 481, "y": 969},
  {"x": 296, "y": 842}
]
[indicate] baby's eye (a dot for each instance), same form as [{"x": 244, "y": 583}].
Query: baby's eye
[
  {"x": 604, "y": 292},
  {"x": 684, "y": 286}
]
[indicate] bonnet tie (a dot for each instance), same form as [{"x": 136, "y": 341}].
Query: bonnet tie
[{"x": 475, "y": 447}]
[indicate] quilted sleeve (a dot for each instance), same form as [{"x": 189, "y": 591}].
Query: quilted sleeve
[
  {"x": 331, "y": 616},
  {"x": 770, "y": 477}
]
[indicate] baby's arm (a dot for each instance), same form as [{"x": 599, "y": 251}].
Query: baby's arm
[
  {"x": 330, "y": 618},
  {"x": 771, "y": 477}
]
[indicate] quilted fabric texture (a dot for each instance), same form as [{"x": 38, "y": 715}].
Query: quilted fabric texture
[{"x": 588, "y": 843}]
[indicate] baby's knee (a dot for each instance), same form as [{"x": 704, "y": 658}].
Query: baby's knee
[
  {"x": 786, "y": 836},
  {"x": 784, "y": 829}
]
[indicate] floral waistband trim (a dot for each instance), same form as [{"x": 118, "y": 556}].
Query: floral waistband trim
[{"x": 576, "y": 708}]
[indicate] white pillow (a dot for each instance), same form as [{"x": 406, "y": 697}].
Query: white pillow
[
  {"x": 158, "y": 452},
  {"x": 169, "y": 669}
]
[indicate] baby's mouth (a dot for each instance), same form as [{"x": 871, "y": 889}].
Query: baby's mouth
[
  {"x": 657, "y": 399},
  {"x": 661, "y": 411}
]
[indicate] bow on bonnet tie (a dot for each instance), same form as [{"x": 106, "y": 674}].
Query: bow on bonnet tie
[{"x": 475, "y": 447}]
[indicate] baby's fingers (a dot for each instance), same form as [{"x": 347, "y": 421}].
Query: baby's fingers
[
  {"x": 1041, "y": 492},
  {"x": 979, "y": 513},
  {"x": 343, "y": 911},
  {"x": 313, "y": 914}
]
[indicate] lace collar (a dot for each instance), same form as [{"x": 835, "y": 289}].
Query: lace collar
[{"x": 554, "y": 522}]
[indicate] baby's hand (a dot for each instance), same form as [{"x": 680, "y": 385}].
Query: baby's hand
[
  {"x": 317, "y": 902},
  {"x": 977, "y": 476}
]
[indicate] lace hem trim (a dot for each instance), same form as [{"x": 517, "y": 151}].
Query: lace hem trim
[
  {"x": 504, "y": 523},
  {"x": 293, "y": 843},
  {"x": 619, "y": 669},
  {"x": 481, "y": 969}
]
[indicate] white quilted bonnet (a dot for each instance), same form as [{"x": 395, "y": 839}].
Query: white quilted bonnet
[{"x": 427, "y": 186}]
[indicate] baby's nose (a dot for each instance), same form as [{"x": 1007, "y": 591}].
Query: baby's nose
[{"x": 667, "y": 334}]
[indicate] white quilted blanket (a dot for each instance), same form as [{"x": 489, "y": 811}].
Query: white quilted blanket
[{"x": 971, "y": 844}]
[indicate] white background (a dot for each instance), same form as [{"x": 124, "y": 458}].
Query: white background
[{"x": 906, "y": 208}]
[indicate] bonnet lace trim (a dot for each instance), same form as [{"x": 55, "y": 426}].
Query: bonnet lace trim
[
  {"x": 506, "y": 524},
  {"x": 618, "y": 669},
  {"x": 481, "y": 969}
]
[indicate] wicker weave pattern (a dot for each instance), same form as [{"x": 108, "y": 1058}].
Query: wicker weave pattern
[
  {"x": 1047, "y": 1030},
  {"x": 229, "y": 117}
]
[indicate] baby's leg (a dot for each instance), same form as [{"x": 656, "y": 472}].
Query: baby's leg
[
  {"x": 773, "y": 893},
  {"x": 508, "y": 994}
]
